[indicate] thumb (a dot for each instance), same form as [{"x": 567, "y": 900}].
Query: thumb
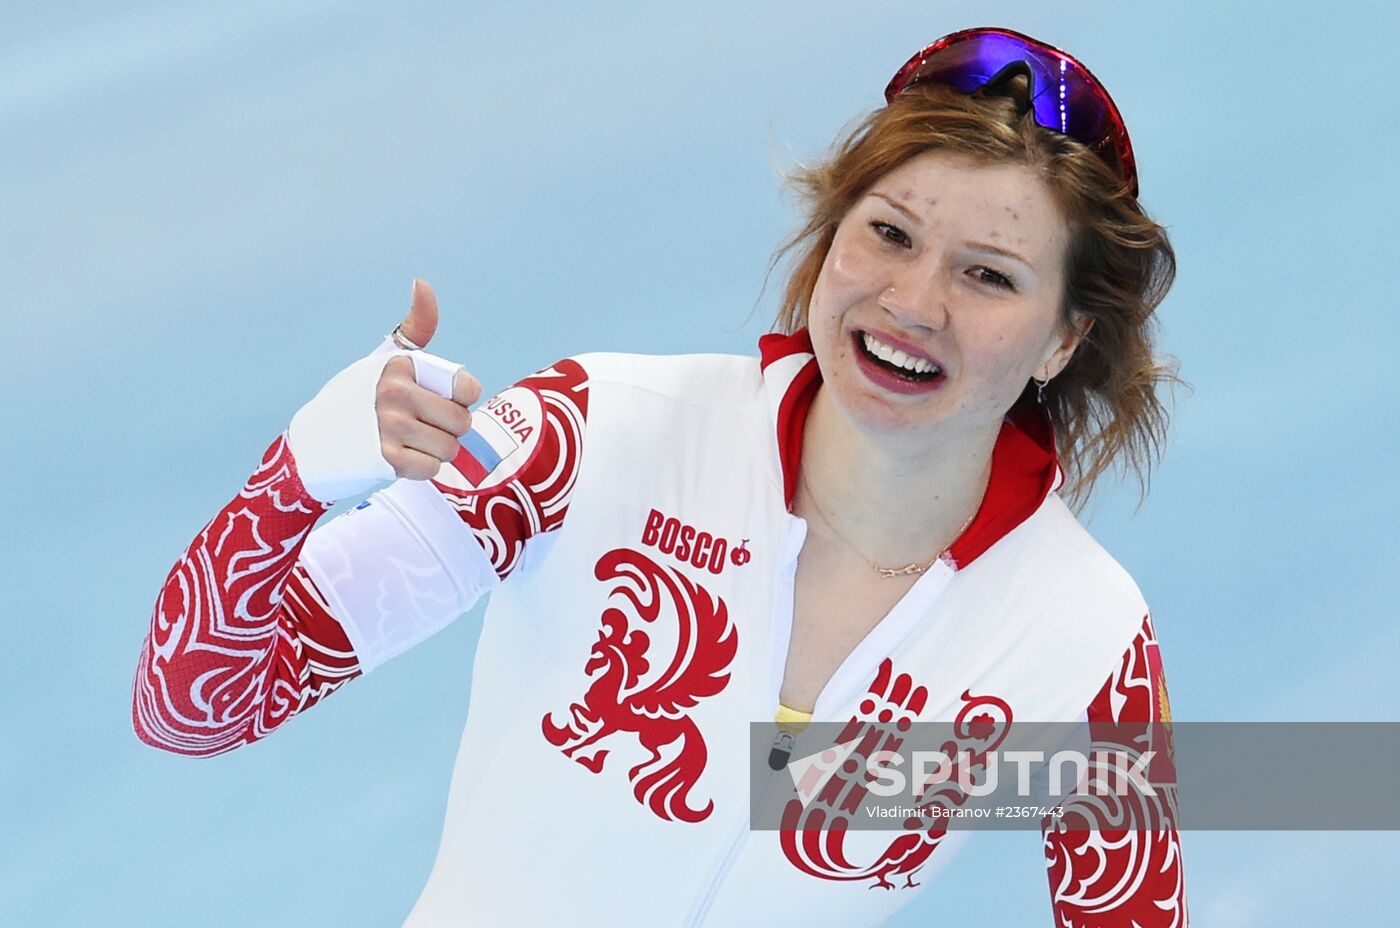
[{"x": 422, "y": 319}]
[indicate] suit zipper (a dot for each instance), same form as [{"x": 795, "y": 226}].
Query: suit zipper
[
  {"x": 781, "y": 744},
  {"x": 795, "y": 534}
]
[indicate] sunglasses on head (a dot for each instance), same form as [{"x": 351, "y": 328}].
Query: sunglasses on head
[{"x": 1063, "y": 95}]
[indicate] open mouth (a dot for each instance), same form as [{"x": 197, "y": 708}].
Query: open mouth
[{"x": 896, "y": 362}]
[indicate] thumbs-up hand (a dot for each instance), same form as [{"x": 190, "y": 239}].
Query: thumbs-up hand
[
  {"x": 394, "y": 413},
  {"x": 422, "y": 414}
]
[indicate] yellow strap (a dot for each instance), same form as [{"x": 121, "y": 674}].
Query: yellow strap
[{"x": 791, "y": 719}]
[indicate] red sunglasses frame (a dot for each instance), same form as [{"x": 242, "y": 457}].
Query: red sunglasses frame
[{"x": 1111, "y": 144}]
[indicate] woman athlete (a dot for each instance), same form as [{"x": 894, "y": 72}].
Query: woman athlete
[{"x": 863, "y": 525}]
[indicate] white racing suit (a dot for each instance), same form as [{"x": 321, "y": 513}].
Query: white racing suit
[{"x": 630, "y": 517}]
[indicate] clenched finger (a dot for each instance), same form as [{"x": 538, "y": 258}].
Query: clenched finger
[
  {"x": 410, "y": 463},
  {"x": 421, "y": 436},
  {"x": 466, "y": 389},
  {"x": 448, "y": 415}
]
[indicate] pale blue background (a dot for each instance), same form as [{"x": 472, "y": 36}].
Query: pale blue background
[{"x": 208, "y": 209}]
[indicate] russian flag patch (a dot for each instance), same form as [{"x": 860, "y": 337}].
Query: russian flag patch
[{"x": 506, "y": 432}]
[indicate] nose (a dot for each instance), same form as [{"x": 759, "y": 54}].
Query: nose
[{"x": 916, "y": 299}]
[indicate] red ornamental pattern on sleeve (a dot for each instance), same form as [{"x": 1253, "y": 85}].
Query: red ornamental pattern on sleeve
[
  {"x": 813, "y": 836},
  {"x": 625, "y": 697},
  {"x": 536, "y": 500},
  {"x": 1106, "y": 877},
  {"x": 240, "y": 640}
]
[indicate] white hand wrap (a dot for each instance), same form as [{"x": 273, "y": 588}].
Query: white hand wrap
[{"x": 335, "y": 437}]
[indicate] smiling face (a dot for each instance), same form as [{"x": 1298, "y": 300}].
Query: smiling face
[{"x": 957, "y": 266}]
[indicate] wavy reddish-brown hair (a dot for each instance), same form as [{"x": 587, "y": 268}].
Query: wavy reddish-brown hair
[{"x": 1106, "y": 404}]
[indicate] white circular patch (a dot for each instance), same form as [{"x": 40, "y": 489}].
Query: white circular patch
[{"x": 507, "y": 431}]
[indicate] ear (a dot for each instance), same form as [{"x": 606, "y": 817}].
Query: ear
[{"x": 1062, "y": 350}]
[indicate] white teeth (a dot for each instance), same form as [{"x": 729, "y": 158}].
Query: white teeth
[{"x": 896, "y": 357}]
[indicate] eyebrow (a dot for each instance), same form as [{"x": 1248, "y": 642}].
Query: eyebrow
[
  {"x": 983, "y": 247},
  {"x": 994, "y": 250},
  {"x": 898, "y": 205}
]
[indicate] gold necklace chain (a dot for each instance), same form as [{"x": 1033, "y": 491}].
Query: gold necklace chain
[{"x": 886, "y": 572}]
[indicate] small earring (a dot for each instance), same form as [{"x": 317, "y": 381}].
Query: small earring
[{"x": 1040, "y": 386}]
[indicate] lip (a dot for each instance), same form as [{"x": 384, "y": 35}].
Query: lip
[{"x": 892, "y": 382}]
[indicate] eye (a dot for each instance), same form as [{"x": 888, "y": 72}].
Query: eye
[
  {"x": 993, "y": 278},
  {"x": 892, "y": 234}
]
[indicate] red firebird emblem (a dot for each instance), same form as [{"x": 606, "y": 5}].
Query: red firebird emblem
[
  {"x": 656, "y": 713},
  {"x": 813, "y": 837}
]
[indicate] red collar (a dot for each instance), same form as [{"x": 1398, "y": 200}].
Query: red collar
[{"x": 1024, "y": 465}]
